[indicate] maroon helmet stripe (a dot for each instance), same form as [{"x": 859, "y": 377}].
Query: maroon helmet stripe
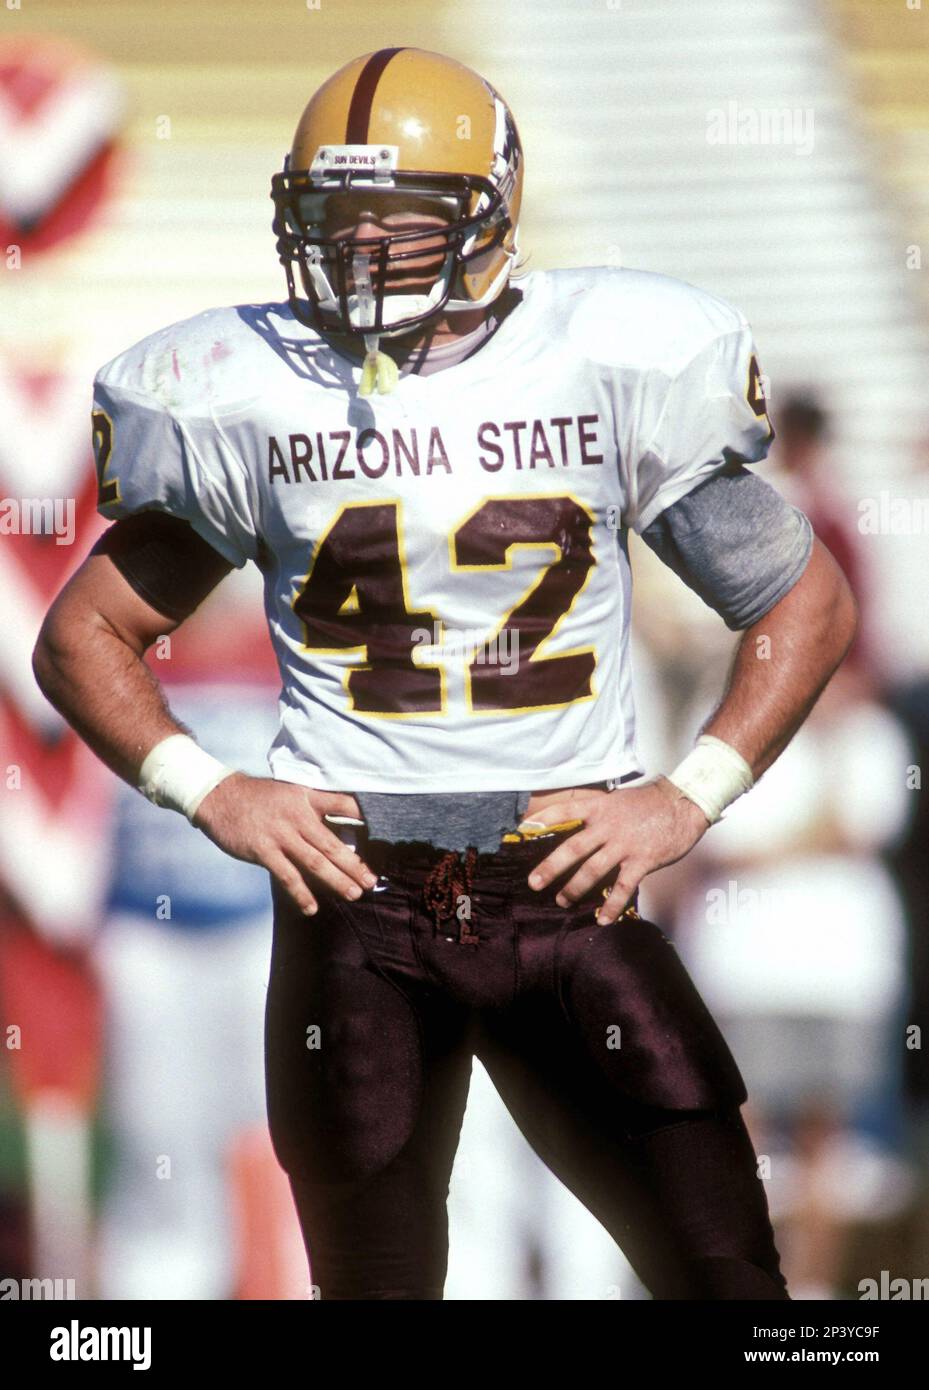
[{"x": 359, "y": 112}]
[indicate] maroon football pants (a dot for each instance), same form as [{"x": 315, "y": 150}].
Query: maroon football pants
[{"x": 595, "y": 1038}]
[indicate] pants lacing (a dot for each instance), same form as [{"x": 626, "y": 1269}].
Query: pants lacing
[{"x": 449, "y": 879}]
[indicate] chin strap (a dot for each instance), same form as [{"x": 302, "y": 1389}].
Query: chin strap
[{"x": 378, "y": 370}]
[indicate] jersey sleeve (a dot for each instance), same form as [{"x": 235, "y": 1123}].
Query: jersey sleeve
[
  {"x": 710, "y": 415},
  {"x": 149, "y": 460}
]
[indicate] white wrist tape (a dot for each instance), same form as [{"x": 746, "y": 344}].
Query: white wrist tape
[
  {"x": 712, "y": 776},
  {"x": 179, "y": 774}
]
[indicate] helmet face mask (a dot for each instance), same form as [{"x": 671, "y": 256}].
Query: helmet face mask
[
  {"x": 315, "y": 208},
  {"x": 399, "y": 201}
]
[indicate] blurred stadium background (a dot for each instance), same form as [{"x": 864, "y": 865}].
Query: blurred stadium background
[{"x": 776, "y": 154}]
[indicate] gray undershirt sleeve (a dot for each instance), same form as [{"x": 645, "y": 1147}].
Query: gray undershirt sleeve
[{"x": 736, "y": 542}]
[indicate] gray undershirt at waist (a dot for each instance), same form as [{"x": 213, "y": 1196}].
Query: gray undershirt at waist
[{"x": 449, "y": 820}]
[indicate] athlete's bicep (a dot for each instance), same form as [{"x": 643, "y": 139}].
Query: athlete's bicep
[{"x": 96, "y": 600}]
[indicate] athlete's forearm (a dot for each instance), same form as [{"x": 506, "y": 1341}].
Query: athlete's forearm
[
  {"x": 784, "y": 661},
  {"x": 96, "y": 678},
  {"x": 89, "y": 663}
]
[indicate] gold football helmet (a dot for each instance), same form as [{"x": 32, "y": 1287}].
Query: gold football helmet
[{"x": 422, "y": 149}]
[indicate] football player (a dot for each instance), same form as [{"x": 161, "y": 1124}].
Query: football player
[{"x": 435, "y": 461}]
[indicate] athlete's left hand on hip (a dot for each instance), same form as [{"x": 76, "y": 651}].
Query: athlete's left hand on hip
[{"x": 635, "y": 829}]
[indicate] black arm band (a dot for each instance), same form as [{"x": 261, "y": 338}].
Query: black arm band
[{"x": 164, "y": 560}]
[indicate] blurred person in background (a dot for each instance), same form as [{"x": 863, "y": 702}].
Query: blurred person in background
[
  {"x": 797, "y": 934},
  {"x": 55, "y": 808},
  {"x": 183, "y": 957},
  {"x": 805, "y": 470},
  {"x": 909, "y": 858},
  {"x": 829, "y": 854}
]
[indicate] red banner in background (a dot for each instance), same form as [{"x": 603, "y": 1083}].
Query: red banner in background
[{"x": 61, "y": 111}]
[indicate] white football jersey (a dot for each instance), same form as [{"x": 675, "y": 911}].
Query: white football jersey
[{"x": 446, "y": 571}]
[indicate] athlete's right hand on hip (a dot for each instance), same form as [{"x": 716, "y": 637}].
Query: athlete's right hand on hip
[{"x": 280, "y": 826}]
